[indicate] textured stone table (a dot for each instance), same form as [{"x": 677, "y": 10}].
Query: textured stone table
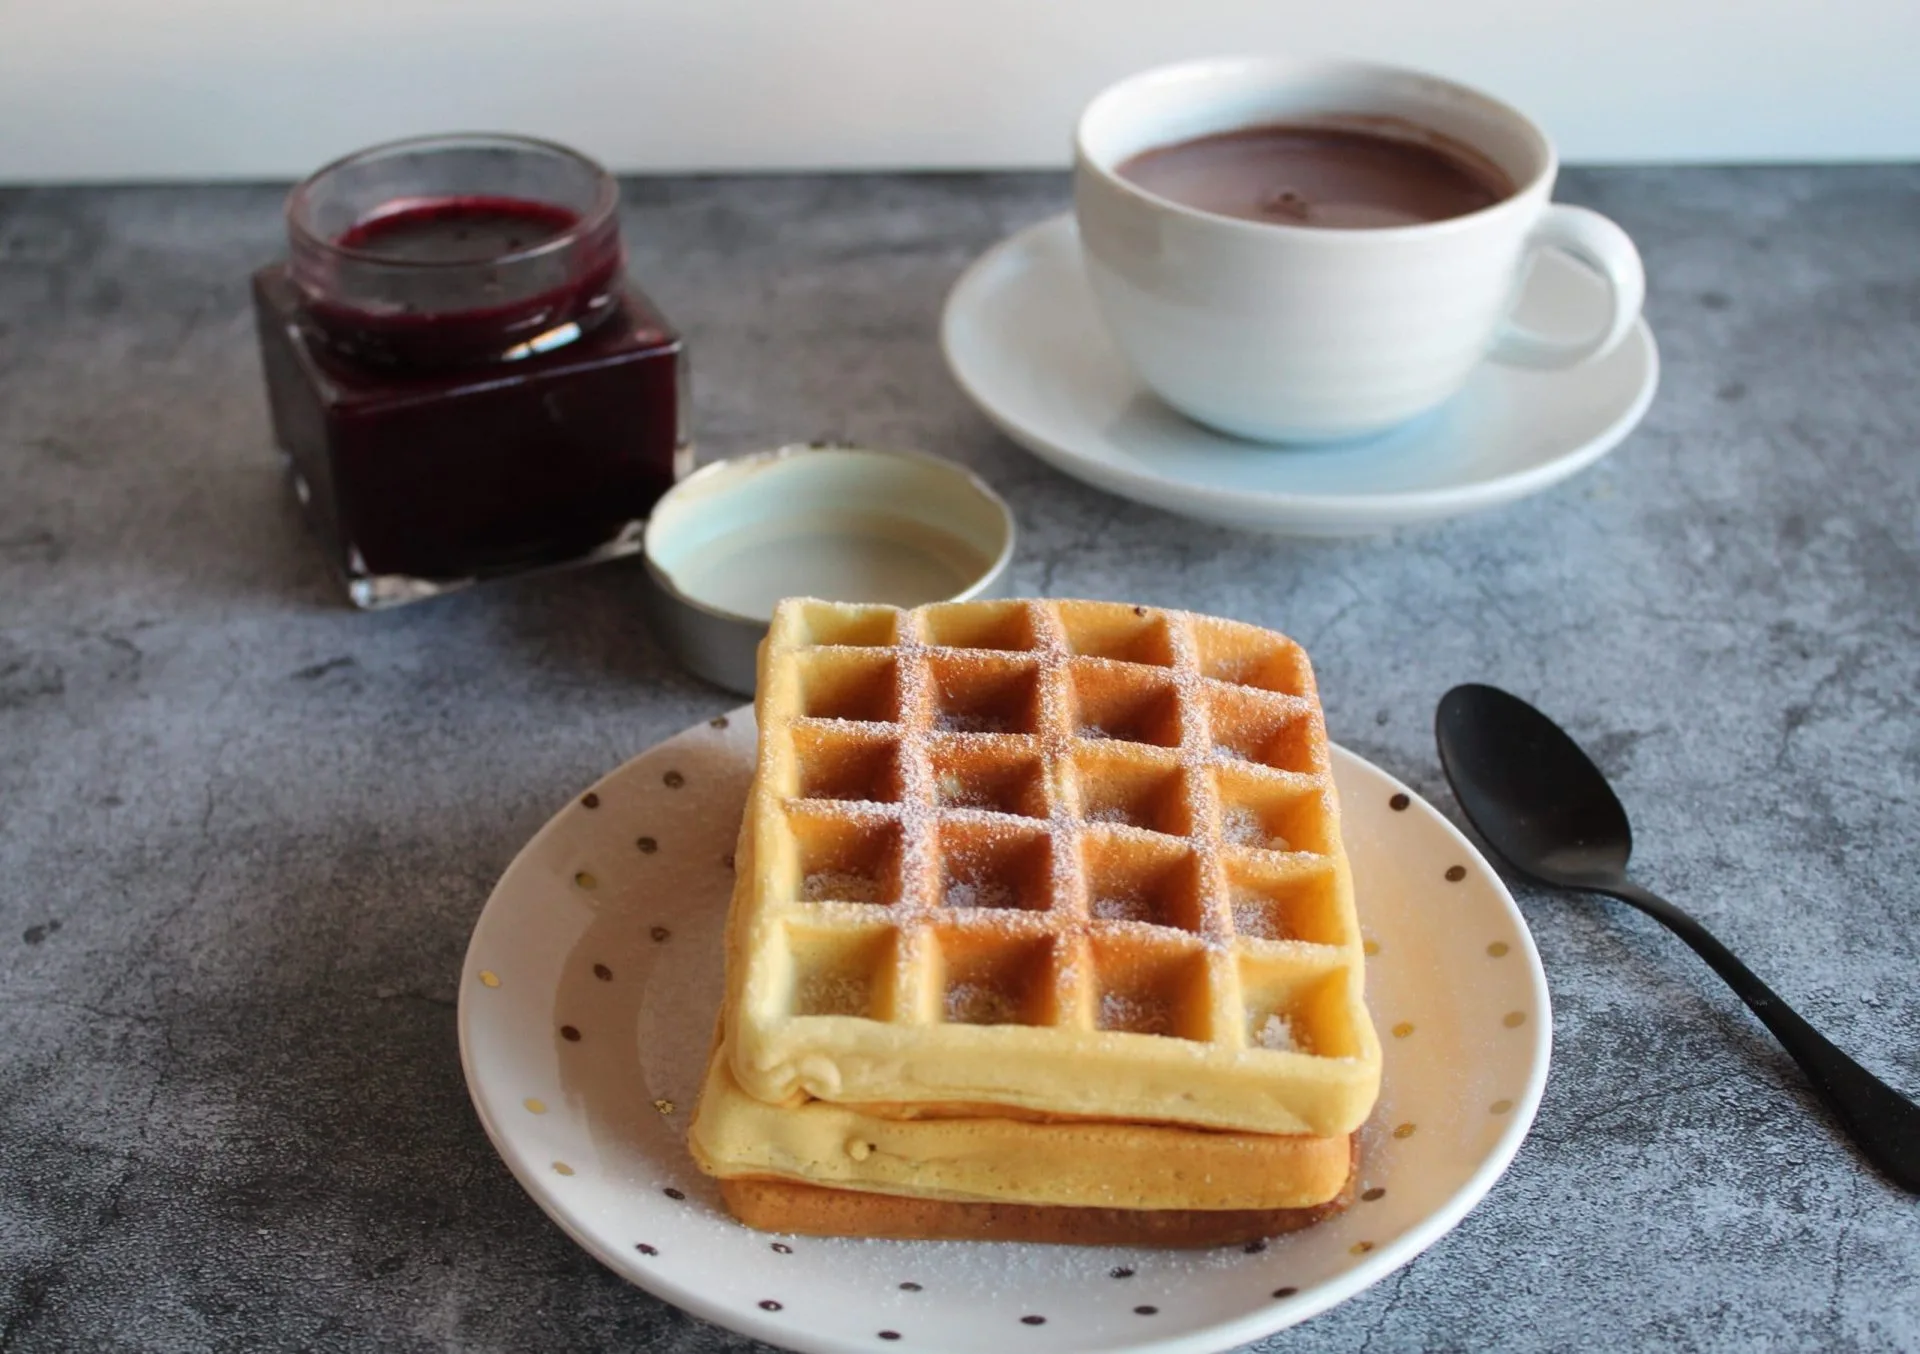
[{"x": 247, "y": 830}]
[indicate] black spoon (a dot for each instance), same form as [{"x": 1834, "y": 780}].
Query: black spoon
[{"x": 1540, "y": 801}]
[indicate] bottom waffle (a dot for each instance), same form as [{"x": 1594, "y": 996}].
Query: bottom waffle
[
  {"x": 814, "y": 1210},
  {"x": 1076, "y": 1164}
]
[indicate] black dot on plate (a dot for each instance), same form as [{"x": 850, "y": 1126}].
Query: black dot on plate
[
  {"x": 782, "y": 1248},
  {"x": 1399, "y": 803},
  {"x": 1033, "y": 1321},
  {"x": 1254, "y": 1247},
  {"x": 660, "y": 933},
  {"x": 718, "y": 721},
  {"x": 1139, "y": 611},
  {"x": 570, "y": 1034},
  {"x": 1285, "y": 1292},
  {"x": 1123, "y": 1272},
  {"x": 769, "y": 1305},
  {"x": 647, "y": 846},
  {"x": 603, "y": 973},
  {"x": 645, "y": 1249},
  {"x": 1146, "y": 1311},
  {"x": 889, "y": 1335},
  {"x": 1455, "y": 873},
  {"x": 673, "y": 780},
  {"x": 672, "y": 1193},
  {"x": 590, "y": 800},
  {"x": 909, "y": 1287},
  {"x": 1375, "y": 1193}
]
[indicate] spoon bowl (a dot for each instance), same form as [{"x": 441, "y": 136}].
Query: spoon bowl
[{"x": 1536, "y": 797}]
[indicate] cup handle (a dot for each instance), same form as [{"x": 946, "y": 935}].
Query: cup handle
[{"x": 1606, "y": 249}]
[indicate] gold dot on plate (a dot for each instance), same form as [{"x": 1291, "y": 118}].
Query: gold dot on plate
[
  {"x": 664, "y": 1106},
  {"x": 489, "y": 978},
  {"x": 1403, "y": 1131},
  {"x": 586, "y": 880},
  {"x": 1455, "y": 873},
  {"x": 673, "y": 780},
  {"x": 1497, "y": 949},
  {"x": 561, "y": 1168},
  {"x": 1403, "y": 1029},
  {"x": 1360, "y": 1247},
  {"x": 535, "y": 1105},
  {"x": 1500, "y": 1107},
  {"x": 1513, "y": 1020},
  {"x": 1370, "y": 947},
  {"x": 1375, "y": 1193}
]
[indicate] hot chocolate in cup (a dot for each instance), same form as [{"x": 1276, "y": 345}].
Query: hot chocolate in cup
[{"x": 1310, "y": 251}]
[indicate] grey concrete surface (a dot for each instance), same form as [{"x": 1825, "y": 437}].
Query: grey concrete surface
[{"x": 246, "y": 830}]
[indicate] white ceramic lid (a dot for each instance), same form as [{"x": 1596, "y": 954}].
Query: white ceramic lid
[{"x": 847, "y": 524}]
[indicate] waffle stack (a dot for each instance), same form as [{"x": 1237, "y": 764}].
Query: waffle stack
[{"x": 1043, "y": 930}]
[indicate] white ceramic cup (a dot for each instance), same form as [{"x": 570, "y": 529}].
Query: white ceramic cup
[{"x": 1288, "y": 333}]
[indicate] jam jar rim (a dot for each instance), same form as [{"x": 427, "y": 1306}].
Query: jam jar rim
[{"x": 606, "y": 200}]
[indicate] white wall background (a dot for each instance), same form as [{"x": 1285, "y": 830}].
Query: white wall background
[{"x": 159, "y": 89}]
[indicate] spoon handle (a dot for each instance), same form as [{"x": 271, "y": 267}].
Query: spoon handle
[{"x": 1884, "y": 1124}]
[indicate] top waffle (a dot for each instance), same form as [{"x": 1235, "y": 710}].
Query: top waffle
[{"x": 1082, "y": 858}]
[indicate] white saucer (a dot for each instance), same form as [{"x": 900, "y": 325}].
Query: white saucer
[
  {"x": 588, "y": 1000},
  {"x": 1022, "y": 338}
]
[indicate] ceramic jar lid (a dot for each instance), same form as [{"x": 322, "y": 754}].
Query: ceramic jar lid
[{"x": 837, "y": 522}]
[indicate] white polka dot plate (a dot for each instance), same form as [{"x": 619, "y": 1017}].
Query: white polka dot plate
[{"x": 589, "y": 996}]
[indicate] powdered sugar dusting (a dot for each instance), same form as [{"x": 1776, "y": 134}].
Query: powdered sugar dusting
[
  {"x": 956, "y": 793},
  {"x": 1242, "y": 827},
  {"x": 981, "y": 1004},
  {"x": 968, "y": 882},
  {"x": 1136, "y": 1013},
  {"x": 1253, "y": 915},
  {"x": 1120, "y": 906},
  {"x": 988, "y": 893},
  {"x": 1276, "y": 1033},
  {"x": 946, "y": 721},
  {"x": 840, "y": 886},
  {"x": 833, "y": 994}
]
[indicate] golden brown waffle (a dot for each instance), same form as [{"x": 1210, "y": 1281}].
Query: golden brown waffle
[
  {"x": 990, "y": 1157},
  {"x": 813, "y": 1210},
  {"x": 1078, "y": 857}
]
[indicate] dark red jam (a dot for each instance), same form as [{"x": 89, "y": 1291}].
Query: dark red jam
[
  {"x": 464, "y": 383},
  {"x": 469, "y": 229}
]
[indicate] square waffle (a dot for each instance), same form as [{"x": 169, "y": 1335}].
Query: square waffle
[
  {"x": 796, "y": 1208},
  {"x": 1079, "y": 858},
  {"x": 984, "y": 1157}
]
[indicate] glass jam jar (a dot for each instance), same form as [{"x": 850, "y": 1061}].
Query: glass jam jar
[{"x": 463, "y": 380}]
